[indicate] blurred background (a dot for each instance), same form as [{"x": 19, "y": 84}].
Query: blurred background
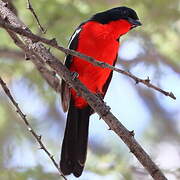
[{"x": 152, "y": 50}]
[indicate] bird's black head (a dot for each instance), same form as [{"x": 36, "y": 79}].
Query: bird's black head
[{"x": 117, "y": 14}]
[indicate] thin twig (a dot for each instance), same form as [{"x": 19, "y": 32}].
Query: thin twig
[
  {"x": 29, "y": 127},
  {"x": 29, "y": 6},
  {"x": 54, "y": 44}
]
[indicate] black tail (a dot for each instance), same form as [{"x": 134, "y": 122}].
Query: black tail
[{"x": 74, "y": 147}]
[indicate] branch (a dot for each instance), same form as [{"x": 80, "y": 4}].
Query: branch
[
  {"x": 29, "y": 127},
  {"x": 48, "y": 75},
  {"x": 54, "y": 44},
  {"x": 11, "y": 6},
  {"x": 10, "y": 53},
  {"x": 38, "y": 50},
  {"x": 29, "y": 6}
]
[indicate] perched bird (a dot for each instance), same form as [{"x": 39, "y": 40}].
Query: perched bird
[{"x": 97, "y": 37}]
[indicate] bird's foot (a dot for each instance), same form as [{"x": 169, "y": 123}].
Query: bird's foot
[{"x": 74, "y": 75}]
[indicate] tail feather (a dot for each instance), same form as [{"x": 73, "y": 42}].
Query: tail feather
[{"x": 74, "y": 147}]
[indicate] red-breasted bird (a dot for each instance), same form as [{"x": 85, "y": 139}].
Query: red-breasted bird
[{"x": 97, "y": 37}]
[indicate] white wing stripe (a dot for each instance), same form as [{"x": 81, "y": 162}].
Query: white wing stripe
[{"x": 74, "y": 35}]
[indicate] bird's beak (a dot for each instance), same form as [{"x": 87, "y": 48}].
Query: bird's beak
[{"x": 134, "y": 22}]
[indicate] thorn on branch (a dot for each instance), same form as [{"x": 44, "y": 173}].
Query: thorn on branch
[
  {"x": 5, "y": 4},
  {"x": 147, "y": 80},
  {"x": 155, "y": 171},
  {"x": 15, "y": 41},
  {"x": 40, "y": 148},
  {"x": 172, "y": 95},
  {"x": 24, "y": 116},
  {"x": 136, "y": 81},
  {"x": 102, "y": 64},
  {"x": 27, "y": 57},
  {"x": 5, "y": 18},
  {"x": 53, "y": 42},
  {"x": 109, "y": 129},
  {"x": 132, "y": 151},
  {"x": 35, "y": 40},
  {"x": 16, "y": 104},
  {"x": 49, "y": 49},
  {"x": 25, "y": 28},
  {"x": 132, "y": 134},
  {"x": 48, "y": 61},
  {"x": 40, "y": 137},
  {"x": 106, "y": 111}
]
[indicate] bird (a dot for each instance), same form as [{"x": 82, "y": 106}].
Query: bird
[{"x": 98, "y": 37}]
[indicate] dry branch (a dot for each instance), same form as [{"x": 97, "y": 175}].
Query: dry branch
[
  {"x": 53, "y": 43},
  {"x": 41, "y": 53},
  {"x": 29, "y": 127}
]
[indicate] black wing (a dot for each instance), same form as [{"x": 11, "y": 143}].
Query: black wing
[
  {"x": 106, "y": 85},
  {"x": 65, "y": 90}
]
